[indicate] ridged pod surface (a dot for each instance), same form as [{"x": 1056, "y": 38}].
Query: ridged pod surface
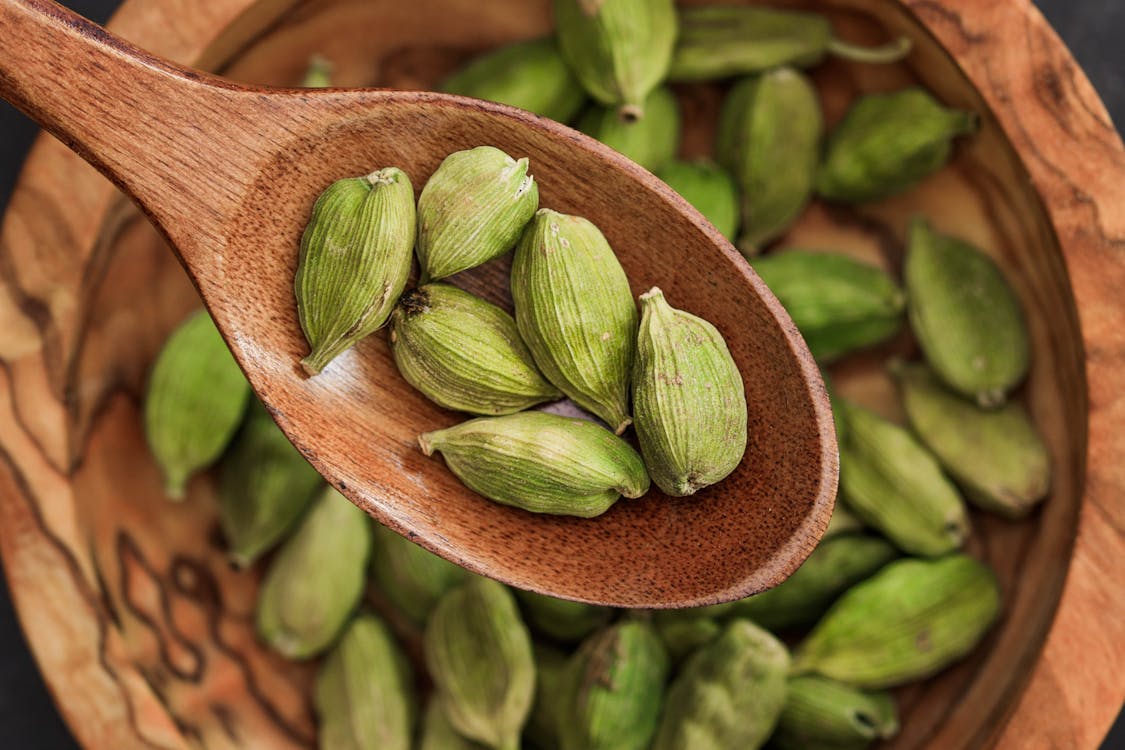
[{"x": 828, "y": 715}]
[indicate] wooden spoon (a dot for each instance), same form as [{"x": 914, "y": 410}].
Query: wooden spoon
[{"x": 229, "y": 174}]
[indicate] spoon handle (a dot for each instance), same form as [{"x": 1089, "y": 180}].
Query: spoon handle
[{"x": 166, "y": 135}]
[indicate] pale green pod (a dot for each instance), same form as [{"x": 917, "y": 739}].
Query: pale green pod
[
  {"x": 717, "y": 41},
  {"x": 887, "y": 143},
  {"x": 194, "y": 402},
  {"x": 893, "y": 484},
  {"x": 439, "y": 734},
  {"x": 708, "y": 188},
  {"x": 613, "y": 689},
  {"x": 464, "y": 353},
  {"x": 541, "y": 730},
  {"x": 650, "y": 142},
  {"x": 965, "y": 315},
  {"x": 728, "y": 695},
  {"x": 315, "y": 581},
  {"x": 364, "y": 692},
  {"x": 995, "y": 455},
  {"x": 822, "y": 714},
  {"x": 839, "y": 304},
  {"x": 769, "y": 139},
  {"x": 478, "y": 652},
  {"x": 619, "y": 49},
  {"x": 318, "y": 74},
  {"x": 473, "y": 209},
  {"x": 833, "y": 567},
  {"x": 540, "y": 462},
  {"x": 561, "y": 619},
  {"x": 355, "y": 259},
  {"x": 530, "y": 75},
  {"x": 265, "y": 485},
  {"x": 689, "y": 403},
  {"x": 411, "y": 577},
  {"x": 683, "y": 633},
  {"x": 575, "y": 311},
  {"x": 909, "y": 621}
]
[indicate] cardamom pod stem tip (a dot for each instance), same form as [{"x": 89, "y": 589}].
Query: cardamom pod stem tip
[{"x": 630, "y": 113}]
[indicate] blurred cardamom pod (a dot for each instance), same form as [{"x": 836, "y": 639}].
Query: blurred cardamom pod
[
  {"x": 194, "y": 402},
  {"x": 887, "y": 143},
  {"x": 265, "y": 485},
  {"x": 683, "y": 632},
  {"x": 355, "y": 259},
  {"x": 464, "y": 353},
  {"x": 688, "y": 399},
  {"x": 996, "y": 456},
  {"x": 575, "y": 311},
  {"x": 316, "y": 579},
  {"x": 708, "y": 188},
  {"x": 833, "y": 567},
  {"x": 907, "y": 622},
  {"x": 651, "y": 142},
  {"x": 411, "y": 577},
  {"x": 613, "y": 689},
  {"x": 825, "y": 714},
  {"x": 502, "y": 458},
  {"x": 893, "y": 484},
  {"x": 561, "y": 619},
  {"x": 966, "y": 317},
  {"x": 541, "y": 730},
  {"x": 728, "y": 695},
  {"x": 530, "y": 75},
  {"x": 619, "y": 49},
  {"x": 439, "y": 734},
  {"x": 839, "y": 304},
  {"x": 717, "y": 41},
  {"x": 479, "y": 655},
  {"x": 318, "y": 74},
  {"x": 769, "y": 140},
  {"x": 364, "y": 691},
  {"x": 842, "y": 522},
  {"x": 473, "y": 209}
]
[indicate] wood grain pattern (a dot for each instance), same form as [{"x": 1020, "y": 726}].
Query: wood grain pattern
[{"x": 128, "y": 603}]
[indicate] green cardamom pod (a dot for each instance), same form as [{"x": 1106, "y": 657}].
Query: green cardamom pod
[
  {"x": 907, "y": 622},
  {"x": 265, "y": 485},
  {"x": 829, "y": 715},
  {"x": 560, "y": 619},
  {"x": 530, "y": 75},
  {"x": 439, "y": 734},
  {"x": 718, "y": 41},
  {"x": 613, "y": 689},
  {"x": 887, "y": 143},
  {"x": 575, "y": 311},
  {"x": 316, "y": 580},
  {"x": 504, "y": 458},
  {"x": 683, "y": 632},
  {"x": 651, "y": 142},
  {"x": 689, "y": 402},
  {"x": 893, "y": 484},
  {"x": 541, "y": 730},
  {"x": 318, "y": 74},
  {"x": 194, "y": 403},
  {"x": 479, "y": 655},
  {"x": 769, "y": 139},
  {"x": 355, "y": 259},
  {"x": 996, "y": 456},
  {"x": 473, "y": 209},
  {"x": 708, "y": 188},
  {"x": 839, "y": 304},
  {"x": 411, "y": 577},
  {"x": 464, "y": 353},
  {"x": 364, "y": 691},
  {"x": 842, "y": 522},
  {"x": 728, "y": 695},
  {"x": 832, "y": 568},
  {"x": 966, "y": 317},
  {"x": 619, "y": 49}
]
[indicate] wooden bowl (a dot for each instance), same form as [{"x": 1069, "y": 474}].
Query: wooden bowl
[{"x": 144, "y": 632}]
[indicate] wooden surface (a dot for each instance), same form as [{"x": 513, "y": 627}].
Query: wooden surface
[
  {"x": 133, "y": 613},
  {"x": 229, "y": 174}
]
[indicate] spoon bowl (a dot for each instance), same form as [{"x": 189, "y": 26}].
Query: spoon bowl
[{"x": 229, "y": 174}]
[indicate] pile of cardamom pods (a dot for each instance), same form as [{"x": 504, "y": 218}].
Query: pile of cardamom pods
[{"x": 886, "y": 599}]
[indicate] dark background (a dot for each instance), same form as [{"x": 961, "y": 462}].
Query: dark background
[{"x": 28, "y": 719}]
